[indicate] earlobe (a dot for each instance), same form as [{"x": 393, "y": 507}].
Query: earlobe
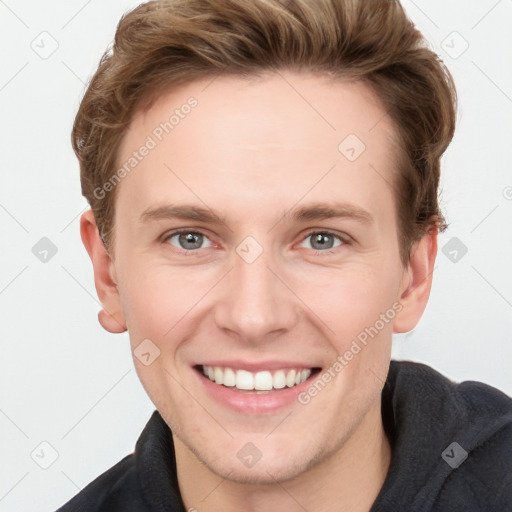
[
  {"x": 110, "y": 323},
  {"x": 416, "y": 283},
  {"x": 111, "y": 317}
]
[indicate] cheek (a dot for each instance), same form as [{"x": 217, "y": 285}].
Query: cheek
[
  {"x": 155, "y": 309},
  {"x": 159, "y": 301},
  {"x": 358, "y": 311},
  {"x": 347, "y": 300},
  {"x": 151, "y": 302}
]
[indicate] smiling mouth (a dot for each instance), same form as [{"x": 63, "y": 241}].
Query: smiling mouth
[{"x": 257, "y": 382}]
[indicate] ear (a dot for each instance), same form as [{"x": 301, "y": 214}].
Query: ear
[
  {"x": 416, "y": 283},
  {"x": 111, "y": 317}
]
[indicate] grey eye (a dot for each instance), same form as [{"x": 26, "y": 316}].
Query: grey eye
[
  {"x": 323, "y": 240},
  {"x": 189, "y": 240}
]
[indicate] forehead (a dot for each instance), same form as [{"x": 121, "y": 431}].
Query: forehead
[{"x": 263, "y": 143}]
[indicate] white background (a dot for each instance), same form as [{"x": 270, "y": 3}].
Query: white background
[{"x": 66, "y": 382}]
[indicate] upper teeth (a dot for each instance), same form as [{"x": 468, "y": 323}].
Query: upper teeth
[{"x": 265, "y": 380}]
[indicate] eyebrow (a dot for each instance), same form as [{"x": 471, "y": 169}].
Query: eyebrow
[
  {"x": 185, "y": 212},
  {"x": 320, "y": 211},
  {"x": 309, "y": 212}
]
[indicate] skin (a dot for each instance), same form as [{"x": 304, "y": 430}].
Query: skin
[{"x": 252, "y": 151}]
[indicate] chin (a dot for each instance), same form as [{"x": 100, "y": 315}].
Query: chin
[
  {"x": 269, "y": 469},
  {"x": 262, "y": 473}
]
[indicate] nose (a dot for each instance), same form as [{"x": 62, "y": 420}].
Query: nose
[{"x": 255, "y": 303}]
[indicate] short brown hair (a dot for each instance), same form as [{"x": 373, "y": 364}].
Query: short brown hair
[{"x": 161, "y": 44}]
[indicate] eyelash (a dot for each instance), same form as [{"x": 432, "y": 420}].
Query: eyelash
[{"x": 196, "y": 252}]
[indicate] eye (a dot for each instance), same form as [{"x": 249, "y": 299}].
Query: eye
[
  {"x": 187, "y": 240},
  {"x": 324, "y": 240}
]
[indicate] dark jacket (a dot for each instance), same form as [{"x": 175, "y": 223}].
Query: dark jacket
[{"x": 451, "y": 451}]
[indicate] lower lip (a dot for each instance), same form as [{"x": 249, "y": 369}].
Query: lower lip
[{"x": 252, "y": 403}]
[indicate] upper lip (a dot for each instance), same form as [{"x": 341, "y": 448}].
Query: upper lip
[{"x": 254, "y": 366}]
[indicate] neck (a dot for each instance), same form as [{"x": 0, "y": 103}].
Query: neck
[{"x": 349, "y": 479}]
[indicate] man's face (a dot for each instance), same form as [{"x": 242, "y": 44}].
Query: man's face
[{"x": 263, "y": 291}]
